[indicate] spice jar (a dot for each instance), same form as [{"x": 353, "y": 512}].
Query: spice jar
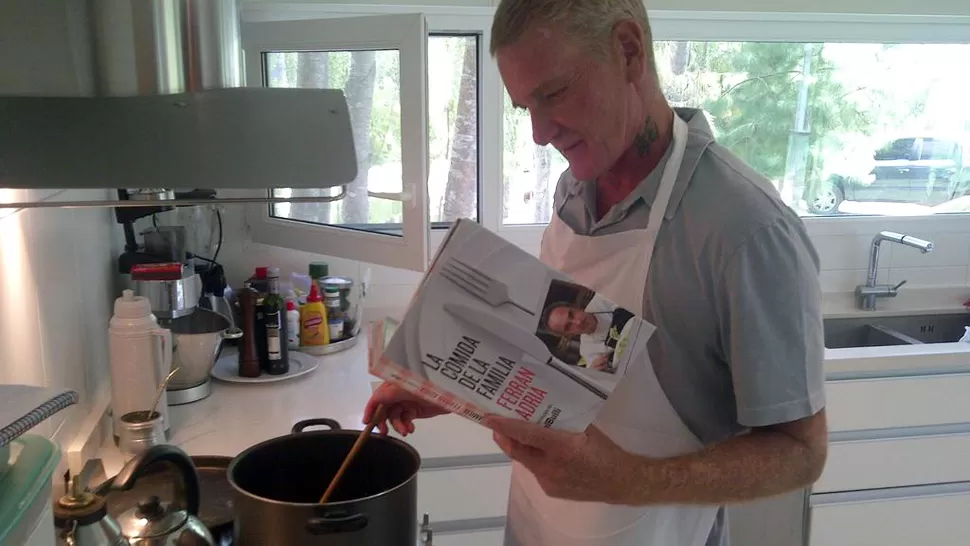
[{"x": 348, "y": 306}]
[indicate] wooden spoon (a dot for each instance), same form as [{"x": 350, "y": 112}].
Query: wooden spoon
[{"x": 379, "y": 415}]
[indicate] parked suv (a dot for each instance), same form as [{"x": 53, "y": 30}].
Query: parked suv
[{"x": 921, "y": 170}]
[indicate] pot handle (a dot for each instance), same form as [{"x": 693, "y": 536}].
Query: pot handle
[
  {"x": 301, "y": 425},
  {"x": 187, "y": 489},
  {"x": 337, "y": 523}
]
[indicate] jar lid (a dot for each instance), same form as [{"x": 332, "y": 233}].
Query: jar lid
[
  {"x": 151, "y": 518},
  {"x": 338, "y": 282},
  {"x": 319, "y": 270}
]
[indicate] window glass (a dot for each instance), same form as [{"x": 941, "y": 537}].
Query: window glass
[
  {"x": 821, "y": 121},
  {"x": 371, "y": 82}
]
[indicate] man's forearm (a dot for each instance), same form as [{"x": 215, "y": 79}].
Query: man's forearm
[{"x": 760, "y": 464}]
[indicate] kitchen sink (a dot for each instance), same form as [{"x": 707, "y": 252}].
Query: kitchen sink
[{"x": 842, "y": 333}]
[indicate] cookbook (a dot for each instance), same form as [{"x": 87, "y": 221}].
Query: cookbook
[{"x": 493, "y": 330}]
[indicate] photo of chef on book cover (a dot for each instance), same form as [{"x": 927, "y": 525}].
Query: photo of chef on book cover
[
  {"x": 582, "y": 328},
  {"x": 493, "y": 329}
]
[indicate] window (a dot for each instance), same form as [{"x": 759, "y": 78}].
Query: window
[
  {"x": 371, "y": 81},
  {"x": 845, "y": 130},
  {"x": 837, "y": 127},
  {"x": 380, "y": 63}
]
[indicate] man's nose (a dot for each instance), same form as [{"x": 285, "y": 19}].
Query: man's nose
[{"x": 543, "y": 128}]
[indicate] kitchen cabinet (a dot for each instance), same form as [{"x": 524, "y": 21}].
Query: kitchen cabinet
[
  {"x": 464, "y": 492},
  {"x": 489, "y": 537},
  {"x": 897, "y": 471},
  {"x": 893, "y": 402},
  {"x": 932, "y": 515},
  {"x": 914, "y": 457}
]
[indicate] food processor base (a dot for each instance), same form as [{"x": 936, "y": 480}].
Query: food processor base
[{"x": 189, "y": 395}]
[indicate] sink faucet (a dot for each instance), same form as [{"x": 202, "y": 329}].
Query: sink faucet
[{"x": 866, "y": 294}]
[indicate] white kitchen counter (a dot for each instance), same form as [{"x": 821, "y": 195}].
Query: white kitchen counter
[{"x": 237, "y": 416}]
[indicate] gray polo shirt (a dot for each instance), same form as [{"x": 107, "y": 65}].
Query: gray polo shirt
[{"x": 733, "y": 288}]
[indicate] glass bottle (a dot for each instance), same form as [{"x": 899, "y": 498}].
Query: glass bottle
[{"x": 274, "y": 313}]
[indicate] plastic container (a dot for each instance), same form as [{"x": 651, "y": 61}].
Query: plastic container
[
  {"x": 25, "y": 502},
  {"x": 313, "y": 321},
  {"x": 292, "y": 325}
]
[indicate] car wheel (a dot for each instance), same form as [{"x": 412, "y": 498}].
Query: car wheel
[{"x": 826, "y": 200}]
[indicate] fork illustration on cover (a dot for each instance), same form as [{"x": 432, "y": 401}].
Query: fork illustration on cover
[{"x": 478, "y": 284}]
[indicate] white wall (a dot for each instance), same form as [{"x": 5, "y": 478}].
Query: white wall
[
  {"x": 58, "y": 285},
  {"x": 57, "y": 269}
]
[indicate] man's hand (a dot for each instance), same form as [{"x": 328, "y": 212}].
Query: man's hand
[
  {"x": 402, "y": 409},
  {"x": 585, "y": 466}
]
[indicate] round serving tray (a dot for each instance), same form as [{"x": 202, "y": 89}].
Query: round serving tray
[{"x": 330, "y": 348}]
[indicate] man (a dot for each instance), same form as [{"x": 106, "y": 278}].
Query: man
[
  {"x": 592, "y": 324},
  {"x": 662, "y": 220}
]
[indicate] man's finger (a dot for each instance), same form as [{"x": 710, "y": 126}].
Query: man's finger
[
  {"x": 368, "y": 412},
  {"x": 527, "y": 455},
  {"x": 407, "y": 417},
  {"x": 523, "y": 432}
]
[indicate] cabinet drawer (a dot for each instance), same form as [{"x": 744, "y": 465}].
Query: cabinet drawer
[
  {"x": 930, "y": 515},
  {"x": 464, "y": 493},
  {"x": 489, "y": 537},
  {"x": 895, "y": 402},
  {"x": 895, "y": 462}
]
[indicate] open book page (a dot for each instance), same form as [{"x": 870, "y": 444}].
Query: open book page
[{"x": 491, "y": 329}]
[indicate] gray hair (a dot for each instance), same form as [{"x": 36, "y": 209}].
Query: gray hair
[{"x": 590, "y": 22}]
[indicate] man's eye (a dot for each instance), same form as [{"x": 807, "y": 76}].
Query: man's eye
[{"x": 556, "y": 93}]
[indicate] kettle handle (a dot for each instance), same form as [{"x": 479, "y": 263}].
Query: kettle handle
[{"x": 187, "y": 489}]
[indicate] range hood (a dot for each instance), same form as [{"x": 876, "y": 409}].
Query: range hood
[{"x": 170, "y": 113}]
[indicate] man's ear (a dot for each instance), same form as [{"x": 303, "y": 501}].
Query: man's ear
[{"x": 628, "y": 38}]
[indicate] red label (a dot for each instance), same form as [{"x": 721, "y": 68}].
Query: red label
[
  {"x": 313, "y": 321},
  {"x": 160, "y": 271}
]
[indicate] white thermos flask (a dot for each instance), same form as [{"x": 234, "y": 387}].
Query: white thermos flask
[{"x": 140, "y": 354}]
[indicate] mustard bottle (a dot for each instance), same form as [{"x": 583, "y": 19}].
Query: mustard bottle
[{"x": 313, "y": 320}]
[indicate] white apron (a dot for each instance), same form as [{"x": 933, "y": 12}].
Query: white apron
[{"x": 638, "y": 416}]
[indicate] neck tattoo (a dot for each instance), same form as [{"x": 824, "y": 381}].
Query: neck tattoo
[{"x": 647, "y": 136}]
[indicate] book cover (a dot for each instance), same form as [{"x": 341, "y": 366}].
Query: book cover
[{"x": 491, "y": 329}]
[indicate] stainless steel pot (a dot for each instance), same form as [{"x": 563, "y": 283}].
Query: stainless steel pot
[
  {"x": 278, "y": 483},
  {"x": 196, "y": 341}
]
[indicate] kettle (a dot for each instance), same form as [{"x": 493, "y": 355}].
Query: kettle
[{"x": 82, "y": 517}]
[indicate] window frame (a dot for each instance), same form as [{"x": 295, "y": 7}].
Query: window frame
[
  {"x": 694, "y": 25},
  {"x": 405, "y": 33}
]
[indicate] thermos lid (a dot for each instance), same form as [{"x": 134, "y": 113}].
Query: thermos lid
[{"x": 130, "y": 306}]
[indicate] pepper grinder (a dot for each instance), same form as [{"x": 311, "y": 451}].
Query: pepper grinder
[{"x": 249, "y": 364}]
